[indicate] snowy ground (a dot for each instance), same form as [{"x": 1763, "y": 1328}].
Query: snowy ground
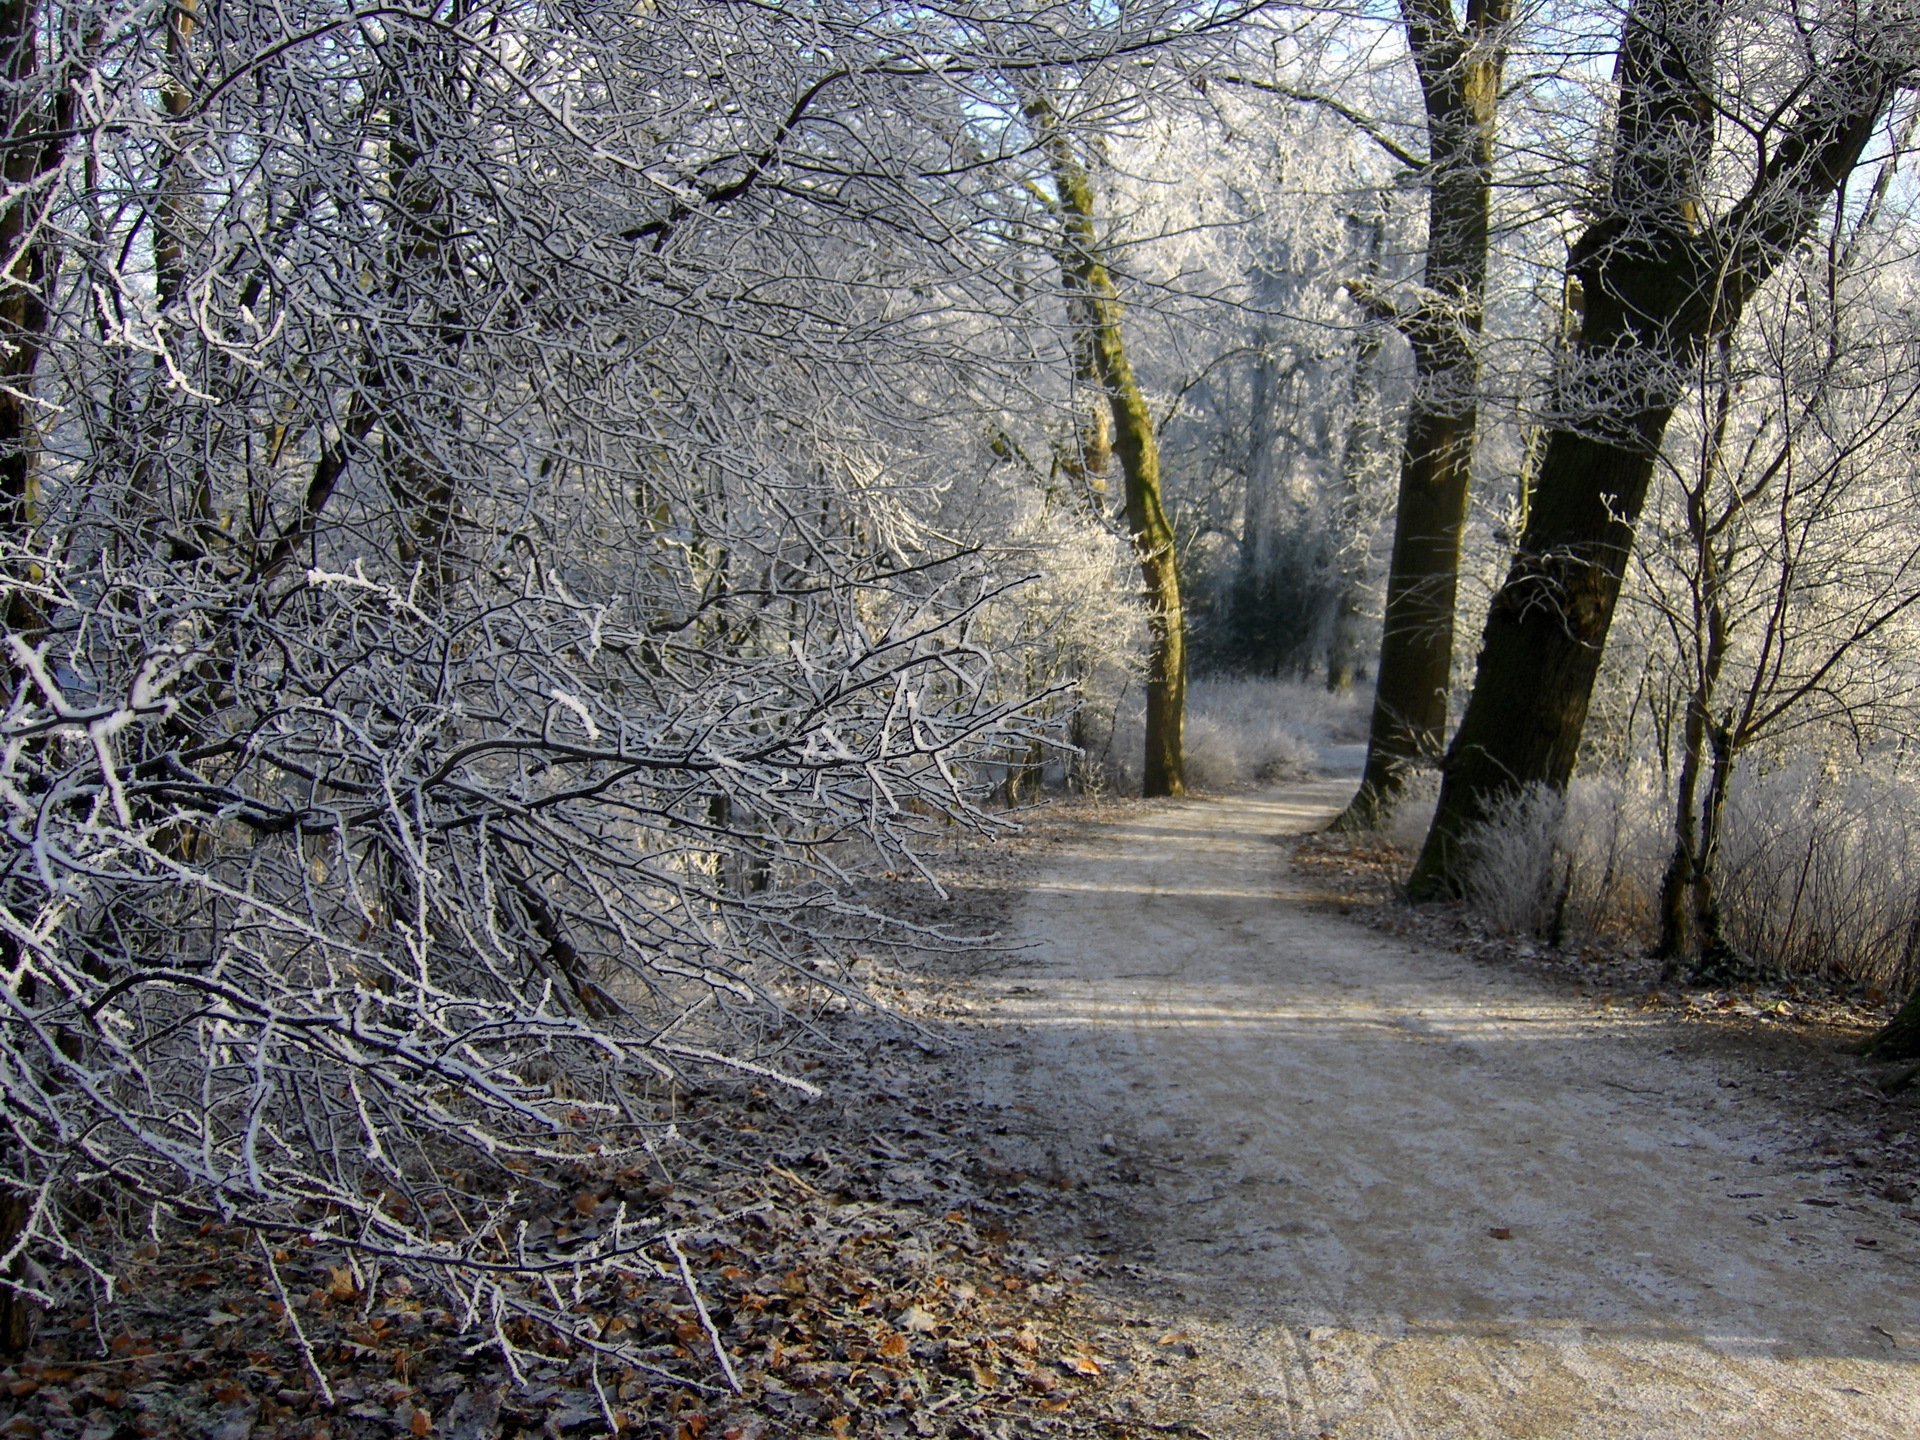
[{"x": 1383, "y": 1191}]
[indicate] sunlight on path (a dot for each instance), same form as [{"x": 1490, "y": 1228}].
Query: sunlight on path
[{"x": 1405, "y": 1195}]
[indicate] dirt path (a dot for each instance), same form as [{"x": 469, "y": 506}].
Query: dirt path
[{"x": 1394, "y": 1193}]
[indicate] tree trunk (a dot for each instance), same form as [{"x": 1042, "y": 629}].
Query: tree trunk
[
  {"x": 423, "y": 403},
  {"x": 1357, "y": 457},
  {"x": 1657, "y": 287},
  {"x": 1678, "y": 939},
  {"x": 1689, "y": 913},
  {"x": 37, "y": 112},
  {"x": 1459, "y": 66},
  {"x": 1899, "y": 1038},
  {"x": 1134, "y": 442}
]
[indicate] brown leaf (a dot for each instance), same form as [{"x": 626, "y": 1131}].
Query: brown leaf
[
  {"x": 1500, "y": 1232},
  {"x": 1080, "y": 1362}
]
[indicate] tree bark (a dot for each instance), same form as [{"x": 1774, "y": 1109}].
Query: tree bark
[
  {"x": 1689, "y": 914},
  {"x": 419, "y": 380},
  {"x": 1459, "y": 66},
  {"x": 1658, "y": 286},
  {"x": 1357, "y": 455},
  {"x": 1899, "y": 1038},
  {"x": 1091, "y": 291}
]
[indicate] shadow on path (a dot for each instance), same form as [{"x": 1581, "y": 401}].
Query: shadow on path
[{"x": 1405, "y": 1195}]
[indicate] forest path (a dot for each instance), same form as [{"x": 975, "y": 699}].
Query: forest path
[{"x": 1392, "y": 1192}]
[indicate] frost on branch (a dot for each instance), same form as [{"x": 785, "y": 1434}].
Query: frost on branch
[
  {"x": 470, "y": 487},
  {"x": 338, "y": 929}
]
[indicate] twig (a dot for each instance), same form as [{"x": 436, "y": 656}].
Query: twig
[
  {"x": 1177, "y": 1427},
  {"x": 600, "y": 1394},
  {"x": 293, "y": 1322},
  {"x": 706, "y": 1320},
  {"x": 804, "y": 1184}
]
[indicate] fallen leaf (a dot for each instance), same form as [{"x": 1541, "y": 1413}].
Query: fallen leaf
[
  {"x": 1500, "y": 1232},
  {"x": 1079, "y": 1362},
  {"x": 917, "y": 1320}
]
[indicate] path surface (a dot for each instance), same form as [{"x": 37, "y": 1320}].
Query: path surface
[{"x": 1396, "y": 1193}]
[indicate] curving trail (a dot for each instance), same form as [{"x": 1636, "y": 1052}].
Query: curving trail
[{"x": 1393, "y": 1193}]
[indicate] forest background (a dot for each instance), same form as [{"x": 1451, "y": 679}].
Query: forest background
[{"x": 508, "y": 511}]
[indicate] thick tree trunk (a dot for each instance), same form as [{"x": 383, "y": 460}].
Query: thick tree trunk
[
  {"x": 1657, "y": 287},
  {"x": 1459, "y": 67},
  {"x": 423, "y": 403},
  {"x": 1416, "y": 641},
  {"x": 1899, "y": 1038},
  {"x": 1135, "y": 443},
  {"x": 1544, "y": 637}
]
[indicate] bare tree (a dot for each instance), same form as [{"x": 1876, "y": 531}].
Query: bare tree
[
  {"x": 1460, "y": 62},
  {"x": 1787, "y": 576},
  {"x": 1096, "y": 314},
  {"x": 473, "y": 585},
  {"x": 1686, "y": 231}
]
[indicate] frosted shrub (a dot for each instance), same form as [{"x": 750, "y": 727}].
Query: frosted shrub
[
  {"x": 1241, "y": 732},
  {"x": 1820, "y": 872},
  {"x": 1513, "y": 861},
  {"x": 1407, "y": 822},
  {"x": 1587, "y": 863}
]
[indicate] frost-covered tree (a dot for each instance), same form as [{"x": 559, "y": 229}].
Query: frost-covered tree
[
  {"x": 1732, "y": 128},
  {"x": 474, "y": 574},
  {"x": 1783, "y": 562},
  {"x": 1270, "y": 387}
]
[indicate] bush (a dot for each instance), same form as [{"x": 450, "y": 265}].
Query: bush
[
  {"x": 1818, "y": 868},
  {"x": 1242, "y": 732},
  {"x": 1820, "y": 872},
  {"x": 1585, "y": 864}
]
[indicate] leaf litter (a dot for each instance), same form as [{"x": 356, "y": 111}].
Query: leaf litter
[{"x": 850, "y": 1266}]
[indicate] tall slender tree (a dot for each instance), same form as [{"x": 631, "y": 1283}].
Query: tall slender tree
[
  {"x": 1460, "y": 61},
  {"x": 1094, "y": 306}
]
